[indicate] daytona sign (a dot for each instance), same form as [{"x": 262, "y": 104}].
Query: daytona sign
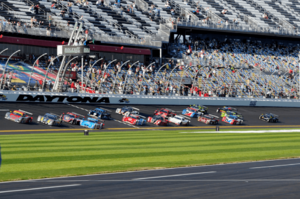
[{"x": 74, "y": 99}]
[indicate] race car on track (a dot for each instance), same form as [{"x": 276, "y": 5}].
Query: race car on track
[
  {"x": 232, "y": 113},
  {"x": 165, "y": 112},
  {"x": 195, "y": 111},
  {"x": 232, "y": 119},
  {"x": 208, "y": 119},
  {"x": 179, "y": 120},
  {"x": 269, "y": 117},
  {"x": 100, "y": 113},
  {"x": 19, "y": 116},
  {"x": 134, "y": 119},
  {"x": 225, "y": 108},
  {"x": 127, "y": 110},
  {"x": 73, "y": 118},
  {"x": 50, "y": 118},
  {"x": 157, "y": 120},
  {"x": 92, "y": 123}
]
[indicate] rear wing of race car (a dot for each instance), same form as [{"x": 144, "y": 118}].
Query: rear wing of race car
[
  {"x": 135, "y": 108},
  {"x": 105, "y": 109},
  {"x": 78, "y": 114},
  {"x": 171, "y": 110},
  {"x": 25, "y": 112},
  {"x": 274, "y": 115},
  {"x": 183, "y": 116},
  {"x": 54, "y": 114},
  {"x": 94, "y": 120},
  {"x": 213, "y": 116}
]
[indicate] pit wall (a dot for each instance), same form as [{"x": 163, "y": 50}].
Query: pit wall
[{"x": 50, "y": 97}]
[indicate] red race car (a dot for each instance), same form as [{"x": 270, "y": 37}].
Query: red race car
[
  {"x": 134, "y": 119},
  {"x": 19, "y": 116},
  {"x": 73, "y": 118},
  {"x": 158, "y": 120},
  {"x": 208, "y": 119},
  {"x": 165, "y": 112}
]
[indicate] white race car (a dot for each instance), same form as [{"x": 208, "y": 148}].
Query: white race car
[{"x": 179, "y": 120}]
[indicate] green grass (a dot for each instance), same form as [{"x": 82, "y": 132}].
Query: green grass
[{"x": 31, "y": 156}]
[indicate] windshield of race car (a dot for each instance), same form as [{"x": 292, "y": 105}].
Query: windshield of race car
[
  {"x": 72, "y": 116},
  {"x": 192, "y": 110},
  {"x": 51, "y": 117},
  {"x": 178, "y": 118},
  {"x": 158, "y": 118}
]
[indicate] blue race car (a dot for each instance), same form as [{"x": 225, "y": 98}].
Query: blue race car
[
  {"x": 195, "y": 111},
  {"x": 232, "y": 119},
  {"x": 100, "y": 113},
  {"x": 127, "y": 110},
  {"x": 92, "y": 123}
]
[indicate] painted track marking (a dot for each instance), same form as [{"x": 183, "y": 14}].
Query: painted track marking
[
  {"x": 282, "y": 165},
  {"x": 39, "y": 188},
  {"x": 176, "y": 175}
]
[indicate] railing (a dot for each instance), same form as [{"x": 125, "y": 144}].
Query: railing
[
  {"x": 188, "y": 13},
  {"x": 215, "y": 18},
  {"x": 232, "y": 27},
  {"x": 142, "y": 5}
]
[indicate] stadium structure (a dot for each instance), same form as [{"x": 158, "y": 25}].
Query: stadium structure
[{"x": 234, "y": 49}]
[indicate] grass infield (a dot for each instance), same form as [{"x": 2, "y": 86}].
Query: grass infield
[{"x": 33, "y": 156}]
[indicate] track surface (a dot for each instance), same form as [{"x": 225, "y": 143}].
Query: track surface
[
  {"x": 289, "y": 117},
  {"x": 268, "y": 179}
]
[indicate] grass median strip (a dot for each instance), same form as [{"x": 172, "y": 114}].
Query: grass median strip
[{"x": 33, "y": 156}]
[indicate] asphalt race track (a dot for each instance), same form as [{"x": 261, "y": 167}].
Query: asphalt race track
[
  {"x": 288, "y": 117},
  {"x": 266, "y": 179}
]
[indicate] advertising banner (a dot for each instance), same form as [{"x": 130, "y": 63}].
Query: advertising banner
[{"x": 44, "y": 97}]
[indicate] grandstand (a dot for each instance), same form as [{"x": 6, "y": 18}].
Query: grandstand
[{"x": 199, "y": 63}]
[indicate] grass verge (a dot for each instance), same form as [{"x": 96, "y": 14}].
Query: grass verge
[{"x": 33, "y": 156}]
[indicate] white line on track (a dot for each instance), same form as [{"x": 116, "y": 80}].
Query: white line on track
[
  {"x": 39, "y": 188},
  {"x": 261, "y": 131},
  {"x": 141, "y": 171},
  {"x": 282, "y": 165},
  {"x": 176, "y": 175},
  {"x": 178, "y": 180}
]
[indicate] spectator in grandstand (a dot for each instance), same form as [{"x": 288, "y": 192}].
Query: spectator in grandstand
[
  {"x": 172, "y": 11},
  {"x": 70, "y": 11},
  {"x": 81, "y": 19},
  {"x": 62, "y": 13},
  {"x": 167, "y": 5},
  {"x": 31, "y": 9},
  {"x": 265, "y": 16},
  {"x": 48, "y": 31},
  {"x": 224, "y": 11},
  {"x": 36, "y": 9}
]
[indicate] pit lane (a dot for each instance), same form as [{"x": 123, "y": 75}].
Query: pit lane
[{"x": 288, "y": 117}]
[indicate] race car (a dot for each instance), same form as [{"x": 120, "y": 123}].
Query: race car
[
  {"x": 225, "y": 108},
  {"x": 51, "y": 119},
  {"x": 195, "y": 111},
  {"x": 269, "y": 117},
  {"x": 100, "y": 113},
  {"x": 19, "y": 116},
  {"x": 232, "y": 113},
  {"x": 165, "y": 112},
  {"x": 127, "y": 110},
  {"x": 232, "y": 120},
  {"x": 92, "y": 123},
  {"x": 134, "y": 119},
  {"x": 208, "y": 119},
  {"x": 73, "y": 118},
  {"x": 179, "y": 120},
  {"x": 157, "y": 120}
]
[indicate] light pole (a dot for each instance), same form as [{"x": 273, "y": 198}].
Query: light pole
[
  {"x": 145, "y": 72},
  {"x": 6, "y": 65},
  {"x": 159, "y": 70},
  {"x": 33, "y": 68},
  {"x": 48, "y": 71},
  {"x": 105, "y": 71},
  {"x": 3, "y": 51},
  {"x": 127, "y": 75},
  {"x": 92, "y": 67},
  {"x": 118, "y": 74}
]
